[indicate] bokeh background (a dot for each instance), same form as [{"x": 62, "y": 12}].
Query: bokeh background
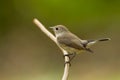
[{"x": 26, "y": 53}]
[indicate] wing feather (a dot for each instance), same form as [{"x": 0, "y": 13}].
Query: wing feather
[{"x": 71, "y": 41}]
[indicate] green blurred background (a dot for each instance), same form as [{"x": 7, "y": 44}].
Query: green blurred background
[{"x": 26, "y": 53}]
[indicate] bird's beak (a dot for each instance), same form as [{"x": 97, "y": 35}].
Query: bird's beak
[{"x": 51, "y": 27}]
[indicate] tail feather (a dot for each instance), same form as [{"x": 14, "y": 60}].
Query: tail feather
[
  {"x": 92, "y": 42},
  {"x": 104, "y": 39}
]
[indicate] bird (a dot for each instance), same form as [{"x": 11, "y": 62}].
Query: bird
[{"x": 72, "y": 43}]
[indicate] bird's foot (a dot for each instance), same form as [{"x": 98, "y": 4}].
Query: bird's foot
[
  {"x": 71, "y": 56},
  {"x": 67, "y": 62}
]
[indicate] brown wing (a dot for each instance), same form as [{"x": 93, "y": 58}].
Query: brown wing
[{"x": 71, "y": 41}]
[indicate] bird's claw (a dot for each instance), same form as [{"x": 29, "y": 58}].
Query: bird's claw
[{"x": 67, "y": 62}]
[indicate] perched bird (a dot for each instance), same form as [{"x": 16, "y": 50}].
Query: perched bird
[{"x": 71, "y": 43}]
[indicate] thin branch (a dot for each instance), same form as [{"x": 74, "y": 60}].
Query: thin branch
[{"x": 52, "y": 37}]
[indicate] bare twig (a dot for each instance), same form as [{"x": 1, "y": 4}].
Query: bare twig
[{"x": 51, "y": 36}]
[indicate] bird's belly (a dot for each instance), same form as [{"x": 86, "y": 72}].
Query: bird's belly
[{"x": 71, "y": 50}]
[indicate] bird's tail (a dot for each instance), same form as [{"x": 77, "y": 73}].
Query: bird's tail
[
  {"x": 92, "y": 42},
  {"x": 104, "y": 39}
]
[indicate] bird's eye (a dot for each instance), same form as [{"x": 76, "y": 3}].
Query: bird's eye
[{"x": 56, "y": 28}]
